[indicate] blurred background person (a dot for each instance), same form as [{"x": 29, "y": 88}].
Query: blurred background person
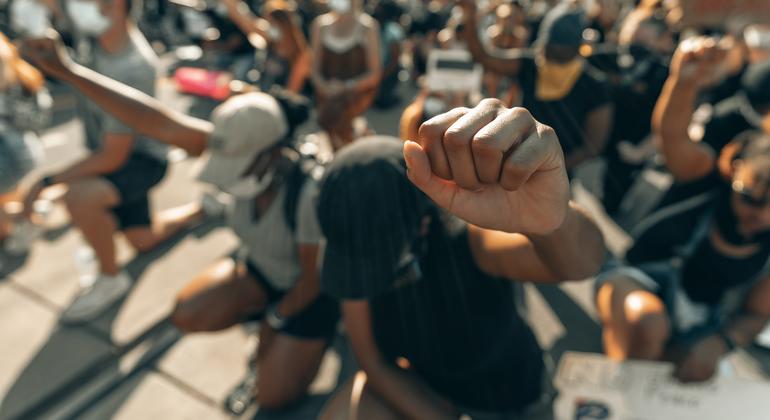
[
  {"x": 510, "y": 31},
  {"x": 558, "y": 86},
  {"x": 346, "y": 68},
  {"x": 24, "y": 111},
  {"x": 690, "y": 149},
  {"x": 709, "y": 293},
  {"x": 108, "y": 191},
  {"x": 252, "y": 154},
  {"x": 388, "y": 15},
  {"x": 288, "y": 59},
  {"x": 640, "y": 69}
]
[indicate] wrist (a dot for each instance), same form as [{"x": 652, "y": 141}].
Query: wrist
[{"x": 558, "y": 227}]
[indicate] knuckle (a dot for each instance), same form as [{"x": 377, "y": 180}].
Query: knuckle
[
  {"x": 547, "y": 132},
  {"x": 520, "y": 112},
  {"x": 429, "y": 130},
  {"x": 484, "y": 141},
  {"x": 491, "y": 103},
  {"x": 454, "y": 139}
]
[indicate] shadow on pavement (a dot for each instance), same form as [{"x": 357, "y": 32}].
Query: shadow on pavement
[
  {"x": 53, "y": 235},
  {"x": 139, "y": 264},
  {"x": 10, "y": 263},
  {"x": 73, "y": 356},
  {"x": 582, "y": 333}
]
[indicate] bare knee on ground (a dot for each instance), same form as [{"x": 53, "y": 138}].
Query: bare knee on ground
[{"x": 635, "y": 322}]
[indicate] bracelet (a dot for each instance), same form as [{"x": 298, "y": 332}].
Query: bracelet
[
  {"x": 274, "y": 319},
  {"x": 47, "y": 181},
  {"x": 729, "y": 342}
]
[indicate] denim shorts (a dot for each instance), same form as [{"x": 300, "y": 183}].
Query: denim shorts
[
  {"x": 663, "y": 279},
  {"x": 19, "y": 155}
]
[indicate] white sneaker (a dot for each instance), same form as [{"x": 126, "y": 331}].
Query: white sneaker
[
  {"x": 95, "y": 300},
  {"x": 214, "y": 206},
  {"x": 22, "y": 237}
]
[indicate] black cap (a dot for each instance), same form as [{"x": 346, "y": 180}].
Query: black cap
[
  {"x": 756, "y": 84},
  {"x": 562, "y": 26},
  {"x": 370, "y": 214}
]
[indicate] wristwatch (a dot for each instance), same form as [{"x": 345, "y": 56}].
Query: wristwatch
[{"x": 274, "y": 319}]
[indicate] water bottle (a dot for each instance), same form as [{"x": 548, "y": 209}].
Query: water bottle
[{"x": 85, "y": 261}]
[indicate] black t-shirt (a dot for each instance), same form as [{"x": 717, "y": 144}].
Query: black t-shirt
[
  {"x": 460, "y": 330},
  {"x": 566, "y": 116},
  {"x": 726, "y": 123},
  {"x": 636, "y": 94},
  {"x": 724, "y": 126}
]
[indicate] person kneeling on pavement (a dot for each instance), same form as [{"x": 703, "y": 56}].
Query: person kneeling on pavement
[
  {"x": 427, "y": 279},
  {"x": 251, "y": 155},
  {"x": 711, "y": 294},
  {"x": 108, "y": 190}
]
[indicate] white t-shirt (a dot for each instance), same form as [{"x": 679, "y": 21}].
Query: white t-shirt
[{"x": 269, "y": 243}]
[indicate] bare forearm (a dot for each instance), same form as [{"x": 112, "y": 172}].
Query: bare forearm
[
  {"x": 575, "y": 250},
  {"x": 89, "y": 167},
  {"x": 673, "y": 112},
  {"x": 244, "y": 19},
  {"x": 141, "y": 112},
  {"x": 671, "y": 121}
]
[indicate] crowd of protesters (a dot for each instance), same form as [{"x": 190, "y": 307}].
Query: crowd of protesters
[{"x": 413, "y": 245}]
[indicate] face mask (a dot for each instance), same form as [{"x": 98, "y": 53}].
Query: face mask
[
  {"x": 30, "y": 18},
  {"x": 274, "y": 33},
  {"x": 87, "y": 17},
  {"x": 556, "y": 80},
  {"x": 340, "y": 6},
  {"x": 249, "y": 187}
]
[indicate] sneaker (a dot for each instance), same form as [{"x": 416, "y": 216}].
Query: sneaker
[
  {"x": 22, "y": 237},
  {"x": 97, "y": 299},
  {"x": 214, "y": 206}
]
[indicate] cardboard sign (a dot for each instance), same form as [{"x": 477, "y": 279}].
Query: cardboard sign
[
  {"x": 593, "y": 387},
  {"x": 719, "y": 12},
  {"x": 453, "y": 70}
]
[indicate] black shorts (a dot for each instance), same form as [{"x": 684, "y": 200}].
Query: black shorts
[
  {"x": 317, "y": 321},
  {"x": 134, "y": 181}
]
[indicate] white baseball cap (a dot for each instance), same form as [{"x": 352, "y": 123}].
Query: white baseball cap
[{"x": 244, "y": 126}]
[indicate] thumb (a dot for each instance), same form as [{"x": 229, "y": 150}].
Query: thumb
[{"x": 439, "y": 190}]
